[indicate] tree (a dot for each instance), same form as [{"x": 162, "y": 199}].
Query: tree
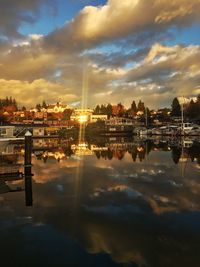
[
  {"x": 109, "y": 110},
  {"x": 133, "y": 107},
  {"x": 97, "y": 110},
  {"x": 141, "y": 106},
  {"x": 38, "y": 107},
  {"x": 44, "y": 105},
  {"x": 67, "y": 114},
  {"x": 6, "y": 101},
  {"x": 198, "y": 98},
  {"x": 120, "y": 109},
  {"x": 103, "y": 109},
  {"x": 176, "y": 108},
  {"x": 193, "y": 109},
  {"x": 15, "y": 103}
]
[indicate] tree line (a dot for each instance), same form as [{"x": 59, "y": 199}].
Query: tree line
[
  {"x": 8, "y": 101},
  {"x": 119, "y": 109},
  {"x": 191, "y": 110}
]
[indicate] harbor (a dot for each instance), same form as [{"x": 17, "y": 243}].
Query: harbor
[{"x": 72, "y": 184}]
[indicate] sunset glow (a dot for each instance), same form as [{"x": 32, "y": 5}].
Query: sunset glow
[{"x": 109, "y": 51}]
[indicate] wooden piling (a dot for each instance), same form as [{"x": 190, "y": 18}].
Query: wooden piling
[{"x": 27, "y": 169}]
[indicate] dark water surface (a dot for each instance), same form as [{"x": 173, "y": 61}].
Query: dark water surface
[{"x": 109, "y": 202}]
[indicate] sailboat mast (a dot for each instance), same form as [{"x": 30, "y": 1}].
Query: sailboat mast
[
  {"x": 146, "y": 116},
  {"x": 182, "y": 120}
]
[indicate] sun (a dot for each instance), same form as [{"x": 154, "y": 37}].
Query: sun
[{"x": 83, "y": 118}]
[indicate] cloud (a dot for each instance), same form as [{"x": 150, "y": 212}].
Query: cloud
[
  {"x": 30, "y": 93},
  {"x": 117, "y": 59},
  {"x": 119, "y": 19},
  {"x": 166, "y": 71},
  {"x": 25, "y": 63},
  {"x": 15, "y": 13},
  {"x": 136, "y": 67},
  {"x": 162, "y": 73}
]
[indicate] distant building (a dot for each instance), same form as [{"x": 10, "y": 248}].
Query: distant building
[
  {"x": 51, "y": 108},
  {"x": 95, "y": 118},
  {"x": 40, "y": 115},
  {"x": 56, "y": 108},
  {"x": 20, "y": 114},
  {"x": 38, "y": 131},
  {"x": 82, "y": 115},
  {"x": 7, "y": 131}
]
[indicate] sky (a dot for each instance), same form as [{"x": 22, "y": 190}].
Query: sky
[{"x": 99, "y": 52}]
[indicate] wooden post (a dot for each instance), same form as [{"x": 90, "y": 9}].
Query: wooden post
[{"x": 27, "y": 169}]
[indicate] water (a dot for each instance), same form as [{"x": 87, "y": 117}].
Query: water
[{"x": 106, "y": 202}]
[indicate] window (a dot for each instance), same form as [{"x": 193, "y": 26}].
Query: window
[{"x": 3, "y": 132}]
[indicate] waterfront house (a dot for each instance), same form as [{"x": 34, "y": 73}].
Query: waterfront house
[
  {"x": 38, "y": 131},
  {"x": 7, "y": 131}
]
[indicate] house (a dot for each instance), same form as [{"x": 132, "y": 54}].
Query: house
[
  {"x": 82, "y": 115},
  {"x": 38, "y": 131},
  {"x": 7, "y": 131},
  {"x": 56, "y": 108},
  {"x": 95, "y": 118}
]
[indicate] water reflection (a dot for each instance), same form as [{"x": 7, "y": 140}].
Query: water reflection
[
  {"x": 115, "y": 148},
  {"x": 107, "y": 202}
]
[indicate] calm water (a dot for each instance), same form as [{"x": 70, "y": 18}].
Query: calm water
[{"x": 106, "y": 202}]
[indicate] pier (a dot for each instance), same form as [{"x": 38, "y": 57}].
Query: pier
[{"x": 11, "y": 171}]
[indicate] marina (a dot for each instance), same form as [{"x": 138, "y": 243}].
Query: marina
[
  {"x": 100, "y": 133},
  {"x": 104, "y": 186}
]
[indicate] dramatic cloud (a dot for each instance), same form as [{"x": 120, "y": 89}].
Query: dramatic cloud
[
  {"x": 118, "y": 50},
  {"x": 117, "y": 19},
  {"x": 14, "y": 13},
  {"x": 172, "y": 70},
  {"x": 117, "y": 59},
  {"x": 31, "y": 93}
]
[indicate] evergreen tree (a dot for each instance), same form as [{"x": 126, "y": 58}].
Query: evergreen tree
[
  {"x": 133, "y": 107},
  {"x": 38, "y": 107},
  {"x": 109, "y": 110},
  {"x": 141, "y": 106},
  {"x": 103, "y": 109},
  {"x": 193, "y": 109},
  {"x": 44, "y": 105},
  {"x": 6, "y": 101},
  {"x": 176, "y": 108},
  {"x": 97, "y": 110}
]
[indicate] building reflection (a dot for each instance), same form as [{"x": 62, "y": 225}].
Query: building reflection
[
  {"x": 12, "y": 177},
  {"x": 136, "y": 215},
  {"x": 11, "y": 172},
  {"x": 115, "y": 148}
]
